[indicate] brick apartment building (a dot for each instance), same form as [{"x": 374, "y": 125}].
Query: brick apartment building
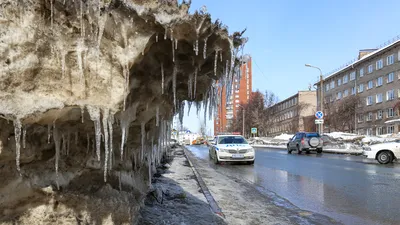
[
  {"x": 375, "y": 79},
  {"x": 289, "y": 114},
  {"x": 240, "y": 94}
]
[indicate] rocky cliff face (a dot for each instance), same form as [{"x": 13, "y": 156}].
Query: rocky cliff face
[{"x": 87, "y": 92}]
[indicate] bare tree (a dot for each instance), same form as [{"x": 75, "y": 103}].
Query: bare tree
[{"x": 341, "y": 115}]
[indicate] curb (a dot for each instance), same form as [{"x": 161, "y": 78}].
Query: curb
[
  {"x": 330, "y": 151},
  {"x": 211, "y": 201}
]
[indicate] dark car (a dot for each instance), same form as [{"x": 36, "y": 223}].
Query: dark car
[{"x": 305, "y": 141}]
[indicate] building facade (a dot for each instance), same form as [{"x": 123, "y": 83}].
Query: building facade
[
  {"x": 374, "y": 79},
  {"x": 241, "y": 91},
  {"x": 289, "y": 114}
]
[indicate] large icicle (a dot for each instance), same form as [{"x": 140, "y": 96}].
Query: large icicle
[
  {"x": 17, "y": 132},
  {"x": 157, "y": 115},
  {"x": 24, "y": 137},
  {"x": 94, "y": 114},
  {"x": 143, "y": 135},
  {"x": 190, "y": 86},
  {"x": 174, "y": 73},
  {"x": 215, "y": 62},
  {"x": 110, "y": 130},
  {"x": 197, "y": 47},
  {"x": 195, "y": 82},
  {"x": 162, "y": 78},
  {"x": 123, "y": 137},
  {"x": 57, "y": 139},
  {"x": 173, "y": 51},
  {"x": 48, "y": 133},
  {"x": 105, "y": 131},
  {"x": 82, "y": 113},
  {"x": 205, "y": 48}
]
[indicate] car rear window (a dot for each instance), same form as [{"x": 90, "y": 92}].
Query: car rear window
[
  {"x": 310, "y": 135},
  {"x": 231, "y": 140}
]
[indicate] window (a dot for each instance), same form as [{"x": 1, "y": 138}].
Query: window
[
  {"x": 390, "y": 60},
  {"x": 389, "y": 95},
  {"x": 332, "y": 84},
  {"x": 379, "y": 131},
  {"x": 368, "y": 117},
  {"x": 379, "y": 115},
  {"x": 370, "y": 84},
  {"x": 390, "y": 78},
  {"x": 360, "y": 88},
  {"x": 339, "y": 82},
  {"x": 379, "y": 98},
  {"x": 345, "y": 79},
  {"x": 236, "y": 96},
  {"x": 353, "y": 90},
  {"x": 368, "y": 132},
  {"x": 390, "y": 112},
  {"x": 360, "y": 118},
  {"x": 379, "y": 81},
  {"x": 339, "y": 95},
  {"x": 353, "y": 75},
  {"x": 361, "y": 72},
  {"x": 379, "y": 64},
  {"x": 327, "y": 87},
  {"x": 369, "y": 100},
  {"x": 370, "y": 68},
  {"x": 237, "y": 100},
  {"x": 346, "y": 93},
  {"x": 390, "y": 129}
]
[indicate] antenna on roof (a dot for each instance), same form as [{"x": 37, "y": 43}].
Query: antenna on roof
[{"x": 309, "y": 87}]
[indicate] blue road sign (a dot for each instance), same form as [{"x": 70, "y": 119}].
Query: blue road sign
[{"x": 319, "y": 115}]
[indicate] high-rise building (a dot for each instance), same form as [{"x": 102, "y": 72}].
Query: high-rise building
[{"x": 241, "y": 91}]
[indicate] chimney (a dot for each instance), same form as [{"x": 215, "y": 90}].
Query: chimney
[{"x": 364, "y": 52}]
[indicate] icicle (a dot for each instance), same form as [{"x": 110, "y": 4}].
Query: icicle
[
  {"x": 205, "y": 48},
  {"x": 62, "y": 64},
  {"x": 105, "y": 131},
  {"x": 173, "y": 52},
  {"x": 126, "y": 74},
  {"x": 24, "y": 137},
  {"x": 123, "y": 134},
  {"x": 176, "y": 44},
  {"x": 215, "y": 62},
  {"x": 197, "y": 47},
  {"x": 80, "y": 47},
  {"x": 51, "y": 13},
  {"x": 110, "y": 130},
  {"x": 157, "y": 115},
  {"x": 190, "y": 86},
  {"x": 162, "y": 78},
  {"x": 88, "y": 143},
  {"x": 56, "y": 137},
  {"x": 172, "y": 33},
  {"x": 81, "y": 18},
  {"x": 174, "y": 72},
  {"x": 102, "y": 23},
  {"x": 195, "y": 83},
  {"x": 220, "y": 54},
  {"x": 94, "y": 114},
  {"x": 143, "y": 134},
  {"x": 165, "y": 34},
  {"x": 149, "y": 168},
  {"x": 17, "y": 131},
  {"x": 82, "y": 113},
  {"x": 48, "y": 133},
  {"x": 156, "y": 37}
]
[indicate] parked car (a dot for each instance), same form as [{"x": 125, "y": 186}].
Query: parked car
[
  {"x": 305, "y": 141},
  {"x": 385, "y": 153},
  {"x": 231, "y": 148},
  {"x": 173, "y": 143}
]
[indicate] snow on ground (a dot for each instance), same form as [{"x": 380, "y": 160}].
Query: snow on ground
[
  {"x": 283, "y": 137},
  {"x": 176, "y": 198},
  {"x": 344, "y": 136}
]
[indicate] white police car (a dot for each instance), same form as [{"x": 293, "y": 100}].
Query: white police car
[{"x": 231, "y": 148}]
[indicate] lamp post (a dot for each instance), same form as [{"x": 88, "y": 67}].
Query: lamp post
[{"x": 321, "y": 94}]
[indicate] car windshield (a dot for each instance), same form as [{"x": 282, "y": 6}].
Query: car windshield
[
  {"x": 312, "y": 135},
  {"x": 231, "y": 140}
]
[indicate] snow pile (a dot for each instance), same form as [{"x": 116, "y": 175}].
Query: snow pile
[
  {"x": 344, "y": 136},
  {"x": 283, "y": 137}
]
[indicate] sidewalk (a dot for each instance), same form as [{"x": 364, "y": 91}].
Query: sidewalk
[{"x": 176, "y": 197}]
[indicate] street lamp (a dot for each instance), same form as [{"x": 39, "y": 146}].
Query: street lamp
[
  {"x": 243, "y": 112},
  {"x": 321, "y": 101}
]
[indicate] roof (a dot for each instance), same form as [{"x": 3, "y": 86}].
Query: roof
[{"x": 363, "y": 59}]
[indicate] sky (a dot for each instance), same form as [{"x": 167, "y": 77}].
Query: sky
[{"x": 284, "y": 35}]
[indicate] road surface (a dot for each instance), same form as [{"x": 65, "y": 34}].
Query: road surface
[{"x": 349, "y": 189}]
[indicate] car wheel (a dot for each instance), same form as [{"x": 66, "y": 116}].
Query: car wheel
[
  {"x": 216, "y": 159},
  {"x": 298, "y": 150},
  {"x": 307, "y": 152},
  {"x": 319, "y": 150},
  {"x": 384, "y": 157},
  {"x": 288, "y": 150}
]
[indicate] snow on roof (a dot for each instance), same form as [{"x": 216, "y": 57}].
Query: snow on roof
[
  {"x": 360, "y": 60},
  {"x": 393, "y": 121}
]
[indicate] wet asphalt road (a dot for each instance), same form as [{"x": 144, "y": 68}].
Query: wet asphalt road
[{"x": 350, "y": 189}]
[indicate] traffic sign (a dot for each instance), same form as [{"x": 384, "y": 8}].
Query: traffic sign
[
  {"x": 254, "y": 130},
  {"x": 319, "y": 121},
  {"x": 319, "y": 115}
]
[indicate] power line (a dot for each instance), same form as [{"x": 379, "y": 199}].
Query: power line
[{"x": 264, "y": 76}]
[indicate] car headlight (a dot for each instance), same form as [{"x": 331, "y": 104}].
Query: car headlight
[
  {"x": 366, "y": 148},
  {"x": 251, "y": 150},
  {"x": 222, "y": 150}
]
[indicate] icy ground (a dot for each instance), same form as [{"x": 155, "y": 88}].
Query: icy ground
[{"x": 176, "y": 197}]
